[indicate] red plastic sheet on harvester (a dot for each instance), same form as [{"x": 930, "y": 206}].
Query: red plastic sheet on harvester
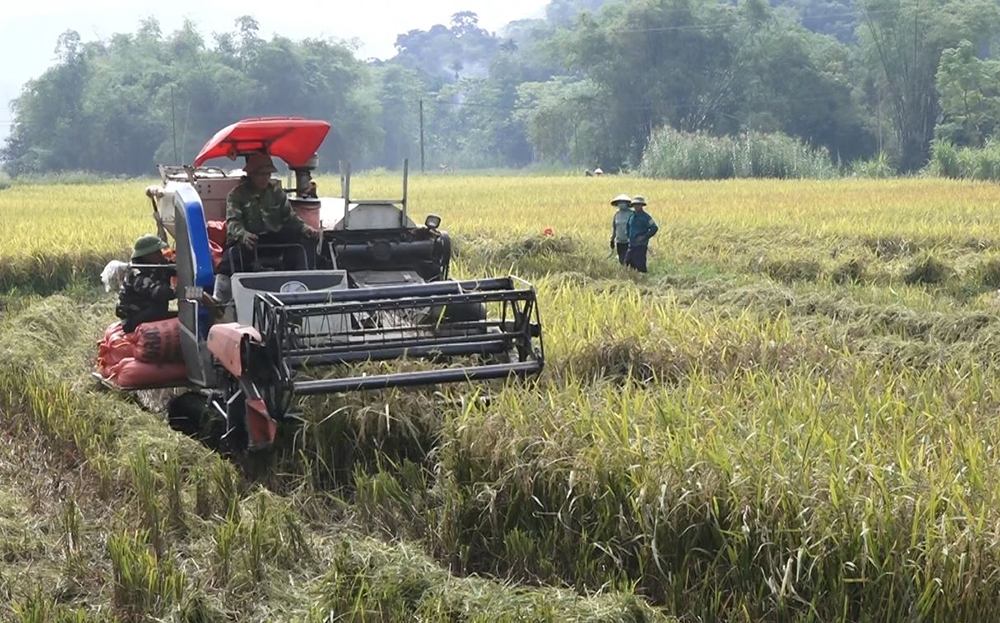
[{"x": 293, "y": 139}]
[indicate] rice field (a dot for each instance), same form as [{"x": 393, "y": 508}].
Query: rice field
[{"x": 793, "y": 417}]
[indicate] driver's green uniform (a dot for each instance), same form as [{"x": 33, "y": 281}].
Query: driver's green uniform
[
  {"x": 268, "y": 215},
  {"x": 259, "y": 212}
]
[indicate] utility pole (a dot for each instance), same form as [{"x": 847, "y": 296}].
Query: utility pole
[
  {"x": 173, "y": 122},
  {"x": 421, "y": 136},
  {"x": 880, "y": 123}
]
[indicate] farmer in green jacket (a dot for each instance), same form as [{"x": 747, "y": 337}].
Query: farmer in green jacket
[
  {"x": 641, "y": 227},
  {"x": 619, "y": 226},
  {"x": 257, "y": 213}
]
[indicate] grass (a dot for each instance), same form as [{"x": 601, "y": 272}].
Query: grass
[
  {"x": 792, "y": 418},
  {"x": 700, "y": 156},
  {"x": 968, "y": 163}
]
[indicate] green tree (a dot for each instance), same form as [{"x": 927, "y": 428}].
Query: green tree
[
  {"x": 558, "y": 119},
  {"x": 49, "y": 121},
  {"x": 448, "y": 53},
  {"x": 838, "y": 18},
  {"x": 797, "y": 82},
  {"x": 399, "y": 92},
  {"x": 655, "y": 64},
  {"x": 563, "y": 12},
  {"x": 969, "y": 91},
  {"x": 902, "y": 42},
  {"x": 701, "y": 65},
  {"x": 107, "y": 106}
]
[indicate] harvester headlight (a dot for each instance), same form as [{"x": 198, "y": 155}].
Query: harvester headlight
[
  {"x": 433, "y": 221},
  {"x": 293, "y": 286}
]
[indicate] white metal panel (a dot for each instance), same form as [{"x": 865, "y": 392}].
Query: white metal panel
[
  {"x": 362, "y": 216},
  {"x": 331, "y": 212},
  {"x": 289, "y": 281}
]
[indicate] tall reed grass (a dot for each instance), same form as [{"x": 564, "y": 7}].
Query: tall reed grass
[
  {"x": 968, "y": 163},
  {"x": 673, "y": 154}
]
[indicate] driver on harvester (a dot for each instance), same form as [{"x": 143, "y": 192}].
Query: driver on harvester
[{"x": 258, "y": 213}]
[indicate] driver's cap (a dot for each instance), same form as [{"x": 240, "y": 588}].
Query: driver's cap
[{"x": 258, "y": 162}]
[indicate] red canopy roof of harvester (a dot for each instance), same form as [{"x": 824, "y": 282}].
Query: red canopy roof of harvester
[{"x": 293, "y": 139}]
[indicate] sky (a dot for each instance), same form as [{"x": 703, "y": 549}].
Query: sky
[{"x": 28, "y": 30}]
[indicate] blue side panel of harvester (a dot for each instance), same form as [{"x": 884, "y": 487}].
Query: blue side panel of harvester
[
  {"x": 194, "y": 269},
  {"x": 187, "y": 199}
]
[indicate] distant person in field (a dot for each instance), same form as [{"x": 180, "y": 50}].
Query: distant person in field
[
  {"x": 258, "y": 212},
  {"x": 619, "y": 226},
  {"x": 641, "y": 227},
  {"x": 146, "y": 291}
]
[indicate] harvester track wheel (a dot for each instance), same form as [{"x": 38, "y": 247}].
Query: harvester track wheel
[{"x": 191, "y": 414}]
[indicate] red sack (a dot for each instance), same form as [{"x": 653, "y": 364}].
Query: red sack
[
  {"x": 133, "y": 374},
  {"x": 116, "y": 346},
  {"x": 217, "y": 232},
  {"x": 158, "y": 342},
  {"x": 216, "y": 251},
  {"x": 216, "y": 240}
]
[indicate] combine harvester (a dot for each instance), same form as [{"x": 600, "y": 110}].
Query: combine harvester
[{"x": 380, "y": 292}]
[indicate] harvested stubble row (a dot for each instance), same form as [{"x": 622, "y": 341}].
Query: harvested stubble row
[{"x": 154, "y": 527}]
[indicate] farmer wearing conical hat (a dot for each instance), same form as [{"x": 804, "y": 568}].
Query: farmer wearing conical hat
[
  {"x": 619, "y": 226},
  {"x": 146, "y": 291},
  {"x": 641, "y": 227},
  {"x": 258, "y": 212}
]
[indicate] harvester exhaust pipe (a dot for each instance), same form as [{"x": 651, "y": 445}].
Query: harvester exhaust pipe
[{"x": 303, "y": 175}]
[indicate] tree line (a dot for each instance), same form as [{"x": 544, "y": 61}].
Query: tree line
[{"x": 586, "y": 85}]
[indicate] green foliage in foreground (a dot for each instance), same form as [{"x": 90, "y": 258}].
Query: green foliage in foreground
[{"x": 156, "y": 528}]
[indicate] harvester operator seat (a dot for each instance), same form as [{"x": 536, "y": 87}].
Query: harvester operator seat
[{"x": 272, "y": 257}]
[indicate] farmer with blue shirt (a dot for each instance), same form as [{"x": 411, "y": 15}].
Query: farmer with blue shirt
[{"x": 641, "y": 227}]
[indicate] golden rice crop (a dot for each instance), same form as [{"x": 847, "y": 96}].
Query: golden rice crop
[
  {"x": 792, "y": 418},
  {"x": 714, "y": 222}
]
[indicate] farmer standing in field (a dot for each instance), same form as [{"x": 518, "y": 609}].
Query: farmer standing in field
[
  {"x": 619, "y": 226},
  {"x": 258, "y": 212},
  {"x": 641, "y": 227}
]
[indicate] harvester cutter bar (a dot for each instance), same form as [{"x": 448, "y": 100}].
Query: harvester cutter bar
[
  {"x": 453, "y": 346},
  {"x": 410, "y": 379}
]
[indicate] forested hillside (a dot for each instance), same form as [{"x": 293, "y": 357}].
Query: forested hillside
[{"x": 586, "y": 85}]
